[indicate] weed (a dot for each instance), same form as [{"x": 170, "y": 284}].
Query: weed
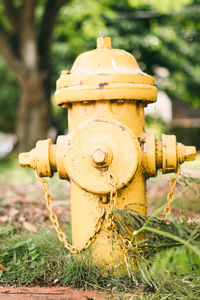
[{"x": 5, "y": 231}]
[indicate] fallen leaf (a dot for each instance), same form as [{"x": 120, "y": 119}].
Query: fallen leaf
[{"x": 2, "y": 268}]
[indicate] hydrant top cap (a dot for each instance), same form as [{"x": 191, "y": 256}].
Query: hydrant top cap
[
  {"x": 104, "y": 42},
  {"x": 103, "y": 74}
]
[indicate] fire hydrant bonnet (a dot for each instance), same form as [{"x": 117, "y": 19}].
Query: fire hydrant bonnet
[{"x": 105, "y": 74}]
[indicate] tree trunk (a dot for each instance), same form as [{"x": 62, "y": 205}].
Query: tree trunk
[
  {"x": 33, "y": 117},
  {"x": 26, "y": 50}
]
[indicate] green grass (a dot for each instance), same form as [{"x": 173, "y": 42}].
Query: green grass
[
  {"x": 167, "y": 268},
  {"x": 42, "y": 260}
]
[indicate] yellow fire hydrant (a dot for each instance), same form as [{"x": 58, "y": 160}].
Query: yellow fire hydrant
[{"x": 107, "y": 155}]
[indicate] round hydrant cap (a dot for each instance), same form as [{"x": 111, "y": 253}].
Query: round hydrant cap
[
  {"x": 96, "y": 144},
  {"x": 103, "y": 74}
]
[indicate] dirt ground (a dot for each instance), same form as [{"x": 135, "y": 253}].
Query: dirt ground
[
  {"x": 23, "y": 206},
  {"x": 50, "y": 293}
]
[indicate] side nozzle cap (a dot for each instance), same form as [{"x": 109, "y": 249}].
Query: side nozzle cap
[
  {"x": 190, "y": 153},
  {"x": 24, "y": 160},
  {"x": 170, "y": 153},
  {"x": 186, "y": 153},
  {"x": 38, "y": 158}
]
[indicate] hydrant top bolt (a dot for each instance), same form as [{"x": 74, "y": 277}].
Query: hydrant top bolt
[{"x": 104, "y": 42}]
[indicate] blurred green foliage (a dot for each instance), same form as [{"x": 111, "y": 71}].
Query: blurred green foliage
[
  {"x": 8, "y": 98},
  {"x": 162, "y": 35}
]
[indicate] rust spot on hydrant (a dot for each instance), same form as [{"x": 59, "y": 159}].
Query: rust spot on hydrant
[{"x": 102, "y": 85}]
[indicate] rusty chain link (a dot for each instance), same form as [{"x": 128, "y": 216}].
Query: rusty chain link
[
  {"x": 170, "y": 195},
  {"x": 105, "y": 212}
]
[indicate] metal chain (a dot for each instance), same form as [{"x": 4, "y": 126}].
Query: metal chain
[
  {"x": 112, "y": 180},
  {"x": 170, "y": 195},
  {"x": 54, "y": 220},
  {"x": 105, "y": 212},
  {"x": 110, "y": 224}
]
